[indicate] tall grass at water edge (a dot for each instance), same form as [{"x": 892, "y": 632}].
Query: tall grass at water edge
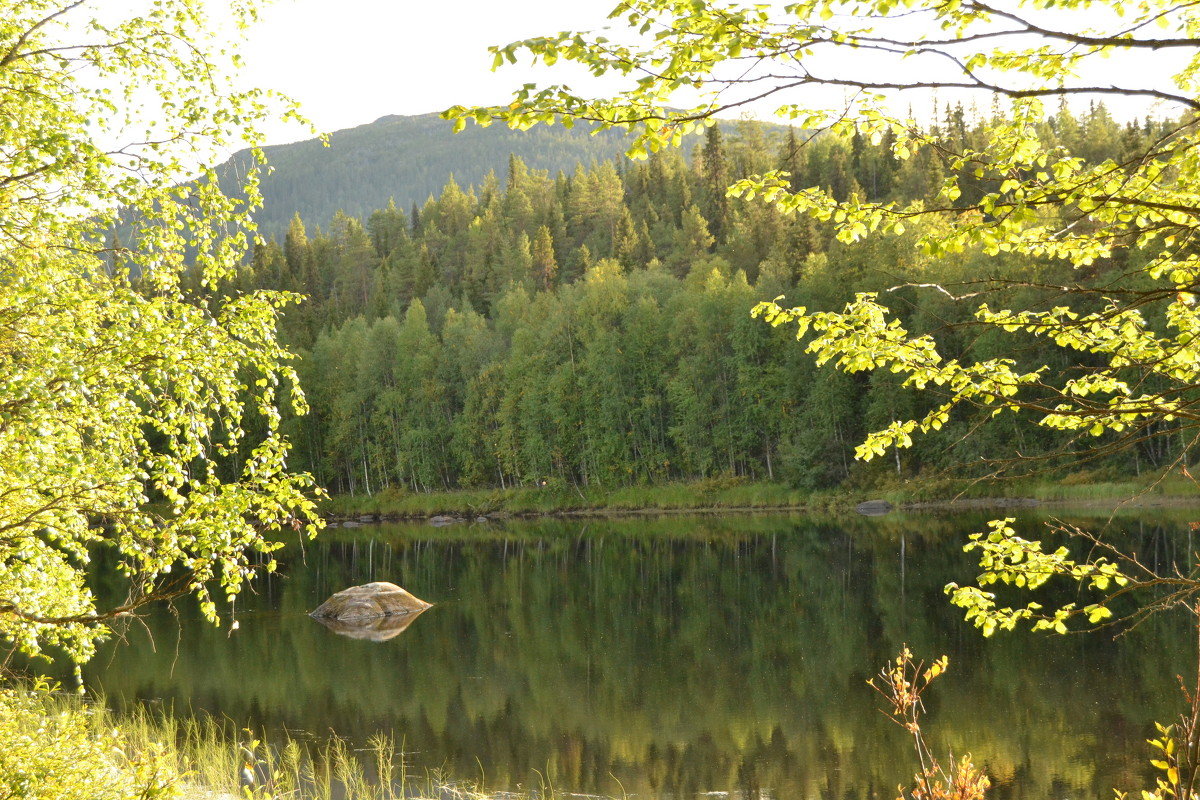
[{"x": 56, "y": 746}]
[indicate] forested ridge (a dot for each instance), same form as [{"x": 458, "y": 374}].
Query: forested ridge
[
  {"x": 593, "y": 327},
  {"x": 406, "y": 158}
]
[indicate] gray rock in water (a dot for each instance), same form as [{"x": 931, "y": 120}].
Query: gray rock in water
[
  {"x": 873, "y": 508},
  {"x": 369, "y": 601}
]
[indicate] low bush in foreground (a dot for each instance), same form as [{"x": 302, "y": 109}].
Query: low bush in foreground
[{"x": 54, "y": 747}]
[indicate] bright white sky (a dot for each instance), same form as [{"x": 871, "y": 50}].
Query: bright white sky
[{"x": 352, "y": 61}]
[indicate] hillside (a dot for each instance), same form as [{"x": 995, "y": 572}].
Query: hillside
[
  {"x": 408, "y": 158},
  {"x": 594, "y": 329}
]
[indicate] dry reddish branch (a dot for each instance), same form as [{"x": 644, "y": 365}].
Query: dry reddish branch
[{"x": 902, "y": 682}]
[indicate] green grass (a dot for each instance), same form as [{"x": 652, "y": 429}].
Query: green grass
[
  {"x": 1172, "y": 486},
  {"x": 732, "y": 494},
  {"x": 57, "y": 746},
  {"x": 710, "y": 495},
  {"x": 208, "y": 753}
]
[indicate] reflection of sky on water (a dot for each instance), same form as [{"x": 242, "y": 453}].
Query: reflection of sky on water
[{"x": 666, "y": 659}]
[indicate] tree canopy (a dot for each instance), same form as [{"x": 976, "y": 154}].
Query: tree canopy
[
  {"x": 139, "y": 392},
  {"x": 648, "y": 367},
  {"x": 1130, "y": 340}
]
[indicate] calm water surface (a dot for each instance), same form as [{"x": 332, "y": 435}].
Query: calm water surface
[{"x": 668, "y": 659}]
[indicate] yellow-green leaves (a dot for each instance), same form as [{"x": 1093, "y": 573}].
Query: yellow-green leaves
[
  {"x": 862, "y": 338},
  {"x": 1169, "y": 762},
  {"x": 117, "y": 386},
  {"x": 1006, "y": 558},
  {"x": 58, "y": 747},
  {"x": 1128, "y": 354}
]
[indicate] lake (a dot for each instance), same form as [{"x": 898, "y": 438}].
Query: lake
[{"x": 674, "y": 657}]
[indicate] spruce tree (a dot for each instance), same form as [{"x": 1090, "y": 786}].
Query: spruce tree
[{"x": 715, "y": 203}]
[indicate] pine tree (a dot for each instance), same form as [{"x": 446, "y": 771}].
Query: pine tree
[
  {"x": 715, "y": 203},
  {"x": 545, "y": 267},
  {"x": 517, "y": 173},
  {"x": 692, "y": 242},
  {"x": 297, "y": 257},
  {"x": 791, "y": 159},
  {"x": 627, "y": 242},
  {"x": 388, "y": 228}
]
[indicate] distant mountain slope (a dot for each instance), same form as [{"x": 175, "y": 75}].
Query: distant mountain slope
[{"x": 407, "y": 158}]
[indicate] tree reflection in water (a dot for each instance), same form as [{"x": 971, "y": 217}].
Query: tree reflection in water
[{"x": 668, "y": 658}]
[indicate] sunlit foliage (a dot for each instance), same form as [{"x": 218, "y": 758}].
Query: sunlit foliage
[
  {"x": 1132, "y": 340},
  {"x": 129, "y": 369}
]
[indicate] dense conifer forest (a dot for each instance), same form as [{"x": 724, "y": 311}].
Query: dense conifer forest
[
  {"x": 592, "y": 326},
  {"x": 402, "y": 159}
]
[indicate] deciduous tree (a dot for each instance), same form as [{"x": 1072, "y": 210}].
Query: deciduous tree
[
  {"x": 124, "y": 399},
  {"x": 1128, "y": 321}
]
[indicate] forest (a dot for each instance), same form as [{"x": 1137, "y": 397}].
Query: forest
[
  {"x": 405, "y": 158},
  {"x": 593, "y": 328}
]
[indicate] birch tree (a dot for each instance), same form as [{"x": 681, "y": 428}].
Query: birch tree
[
  {"x": 125, "y": 397},
  {"x": 680, "y": 63}
]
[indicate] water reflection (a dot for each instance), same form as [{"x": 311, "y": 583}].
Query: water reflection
[
  {"x": 373, "y": 629},
  {"x": 667, "y": 659}
]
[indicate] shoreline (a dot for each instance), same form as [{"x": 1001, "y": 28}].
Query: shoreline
[{"x": 703, "y": 499}]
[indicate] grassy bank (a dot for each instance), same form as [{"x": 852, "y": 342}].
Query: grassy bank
[
  {"x": 728, "y": 495},
  {"x": 1082, "y": 488},
  {"x": 713, "y": 495},
  {"x": 54, "y": 746}
]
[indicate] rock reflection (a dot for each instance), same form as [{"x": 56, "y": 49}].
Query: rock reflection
[{"x": 374, "y": 629}]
